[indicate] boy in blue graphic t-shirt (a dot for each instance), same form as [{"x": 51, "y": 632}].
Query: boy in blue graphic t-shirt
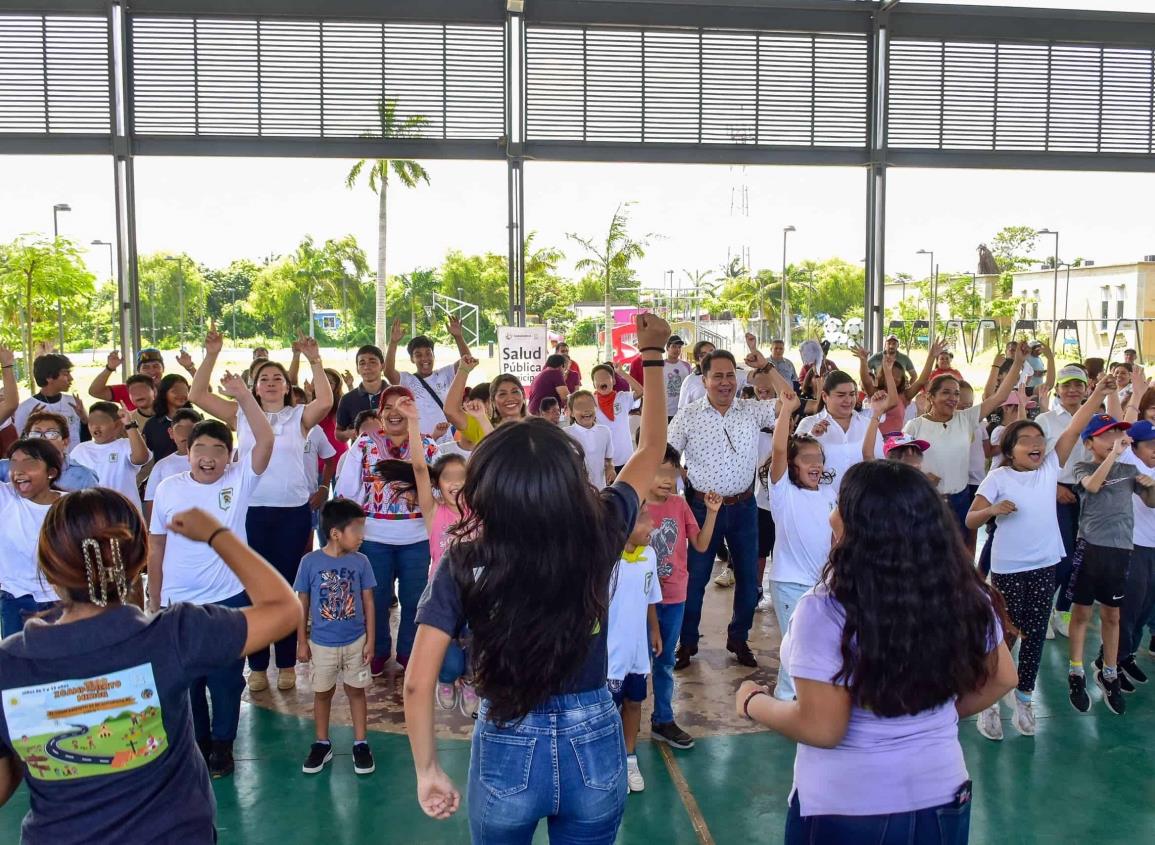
[{"x": 335, "y": 585}]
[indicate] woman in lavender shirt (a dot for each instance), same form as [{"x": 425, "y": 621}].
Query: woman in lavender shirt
[{"x": 897, "y": 641}]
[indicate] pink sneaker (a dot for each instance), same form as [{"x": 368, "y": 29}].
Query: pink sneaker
[
  {"x": 446, "y": 696},
  {"x": 469, "y": 700}
]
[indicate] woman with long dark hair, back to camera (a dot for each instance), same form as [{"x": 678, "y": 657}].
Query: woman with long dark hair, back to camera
[
  {"x": 548, "y": 741},
  {"x": 898, "y": 640}
]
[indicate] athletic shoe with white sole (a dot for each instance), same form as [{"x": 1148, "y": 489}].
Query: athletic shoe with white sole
[
  {"x": 363, "y": 759},
  {"x": 1061, "y": 622},
  {"x": 725, "y": 578},
  {"x": 446, "y": 696},
  {"x": 1133, "y": 671},
  {"x": 989, "y": 723},
  {"x": 1112, "y": 694},
  {"x": 634, "y": 778},
  {"x": 1023, "y": 719},
  {"x": 320, "y": 753}
]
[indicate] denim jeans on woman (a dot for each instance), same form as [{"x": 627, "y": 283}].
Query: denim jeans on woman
[
  {"x": 222, "y": 688},
  {"x": 408, "y": 565},
  {"x": 946, "y": 825},
  {"x": 564, "y": 762}
]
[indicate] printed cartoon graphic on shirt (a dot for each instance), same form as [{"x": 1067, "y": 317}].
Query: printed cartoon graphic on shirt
[
  {"x": 70, "y": 730},
  {"x": 674, "y": 379},
  {"x": 662, "y": 540},
  {"x": 337, "y": 600}
]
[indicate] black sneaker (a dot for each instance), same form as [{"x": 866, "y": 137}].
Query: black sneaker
[
  {"x": 1124, "y": 682},
  {"x": 682, "y": 656},
  {"x": 320, "y": 753},
  {"x": 221, "y": 759},
  {"x": 1112, "y": 694},
  {"x": 206, "y": 748},
  {"x": 1077, "y": 692},
  {"x": 741, "y": 651},
  {"x": 363, "y": 759},
  {"x": 671, "y": 734},
  {"x": 1133, "y": 671}
]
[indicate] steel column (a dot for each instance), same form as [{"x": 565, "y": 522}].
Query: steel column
[
  {"x": 124, "y": 186},
  {"x": 874, "y": 311}
]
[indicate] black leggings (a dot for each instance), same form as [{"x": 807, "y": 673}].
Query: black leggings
[{"x": 1028, "y": 596}]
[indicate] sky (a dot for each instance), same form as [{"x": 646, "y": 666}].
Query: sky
[{"x": 218, "y": 209}]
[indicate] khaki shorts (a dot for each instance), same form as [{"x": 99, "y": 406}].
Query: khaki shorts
[{"x": 345, "y": 663}]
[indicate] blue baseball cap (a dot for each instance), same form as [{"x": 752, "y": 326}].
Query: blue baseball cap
[
  {"x": 1141, "y": 431},
  {"x": 1101, "y": 423}
]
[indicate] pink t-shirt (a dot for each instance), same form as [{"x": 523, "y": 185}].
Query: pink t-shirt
[
  {"x": 674, "y": 527},
  {"x": 894, "y": 419},
  {"x": 439, "y": 537}
]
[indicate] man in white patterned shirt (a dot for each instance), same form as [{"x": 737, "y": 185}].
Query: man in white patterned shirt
[{"x": 718, "y": 437}]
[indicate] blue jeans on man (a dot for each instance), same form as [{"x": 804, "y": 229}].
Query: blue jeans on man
[
  {"x": 222, "y": 688},
  {"x": 16, "y": 610},
  {"x": 408, "y": 564},
  {"x": 670, "y": 626},
  {"x": 737, "y": 524}
]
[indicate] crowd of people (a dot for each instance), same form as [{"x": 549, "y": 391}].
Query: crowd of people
[{"x": 547, "y": 548}]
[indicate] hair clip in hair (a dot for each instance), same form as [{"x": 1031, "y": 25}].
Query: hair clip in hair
[{"x": 101, "y": 577}]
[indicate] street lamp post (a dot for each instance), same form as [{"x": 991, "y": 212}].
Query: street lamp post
[
  {"x": 56, "y": 209},
  {"x": 111, "y": 275},
  {"x": 930, "y": 252},
  {"x": 179, "y": 259},
  {"x": 785, "y": 296},
  {"x": 1055, "y": 289}
]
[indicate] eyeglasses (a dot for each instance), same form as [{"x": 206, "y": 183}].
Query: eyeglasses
[{"x": 52, "y": 434}]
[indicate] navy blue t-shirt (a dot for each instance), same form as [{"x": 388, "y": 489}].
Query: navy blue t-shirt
[
  {"x": 440, "y": 606},
  {"x": 97, "y": 711}
]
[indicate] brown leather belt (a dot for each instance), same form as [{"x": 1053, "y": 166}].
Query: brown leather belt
[{"x": 699, "y": 496}]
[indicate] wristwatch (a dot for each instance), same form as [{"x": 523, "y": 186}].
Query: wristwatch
[{"x": 131, "y": 425}]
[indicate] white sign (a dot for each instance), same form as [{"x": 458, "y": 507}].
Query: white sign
[{"x": 523, "y": 350}]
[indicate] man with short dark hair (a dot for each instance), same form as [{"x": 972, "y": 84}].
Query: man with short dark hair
[
  {"x": 364, "y": 397},
  {"x": 891, "y": 345},
  {"x": 149, "y": 363},
  {"x": 718, "y": 438},
  {"x": 53, "y": 375},
  {"x": 428, "y": 385},
  {"x": 1130, "y": 356}
]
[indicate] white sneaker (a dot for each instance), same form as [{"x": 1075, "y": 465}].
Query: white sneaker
[
  {"x": 446, "y": 696},
  {"x": 989, "y": 723},
  {"x": 725, "y": 578},
  {"x": 1050, "y": 629},
  {"x": 1061, "y": 622},
  {"x": 765, "y": 605},
  {"x": 1024, "y": 718},
  {"x": 633, "y": 775}
]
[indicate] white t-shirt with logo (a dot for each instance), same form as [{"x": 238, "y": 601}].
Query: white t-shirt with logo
[
  {"x": 635, "y": 587},
  {"x": 597, "y": 443},
  {"x": 112, "y": 463},
  {"x": 431, "y": 414},
  {"x": 284, "y": 483},
  {"x": 22, "y": 520},
  {"x": 64, "y": 405},
  {"x": 317, "y": 448},
  {"x": 802, "y": 533},
  {"x": 166, "y": 467},
  {"x": 674, "y": 374},
  {"x": 1028, "y": 538},
  {"x": 193, "y": 572}
]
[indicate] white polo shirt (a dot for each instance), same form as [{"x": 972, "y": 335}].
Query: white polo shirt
[
  {"x": 112, "y": 463},
  {"x": 597, "y": 443}
]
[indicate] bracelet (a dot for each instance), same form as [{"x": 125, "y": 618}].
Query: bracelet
[
  {"x": 750, "y": 697},
  {"x": 111, "y": 369},
  {"x": 131, "y": 426},
  {"x": 213, "y": 536},
  {"x": 653, "y": 363},
  {"x": 657, "y": 349}
]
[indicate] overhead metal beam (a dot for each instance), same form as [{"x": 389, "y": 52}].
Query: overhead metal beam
[
  {"x": 656, "y": 153},
  {"x": 435, "y": 11},
  {"x": 780, "y": 15},
  {"x": 1012, "y": 23},
  {"x": 265, "y": 147},
  {"x": 30, "y": 144},
  {"x": 987, "y": 160}
]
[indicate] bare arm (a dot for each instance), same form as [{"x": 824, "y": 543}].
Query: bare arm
[
  {"x": 932, "y": 354},
  {"x": 864, "y": 376},
  {"x": 1093, "y": 483},
  {"x": 258, "y": 423},
  {"x": 390, "y": 370},
  {"x": 200, "y": 391},
  {"x": 458, "y": 336},
  {"x": 819, "y": 716},
  {"x": 1145, "y": 490},
  {"x": 1070, "y": 436},
  {"x": 425, "y": 500},
  {"x": 780, "y": 443},
  {"x": 624, "y": 372},
  {"x": 294, "y": 370},
  {"x": 139, "y": 454},
  {"x": 1049, "y": 380},
  {"x": 11, "y": 388},
  {"x": 454, "y": 412},
  {"x": 369, "y": 609},
  {"x": 993, "y": 376},
  {"x": 155, "y": 570},
  {"x": 435, "y": 791},
  {"x": 99, "y": 388},
  {"x": 706, "y": 534},
  {"x": 989, "y": 403},
  {"x": 640, "y": 469},
  {"x": 322, "y": 402},
  {"x": 1002, "y": 679}
]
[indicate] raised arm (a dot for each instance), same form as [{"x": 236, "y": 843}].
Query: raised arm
[
  {"x": 1111, "y": 401},
  {"x": 936, "y": 349},
  {"x": 640, "y": 469},
  {"x": 139, "y": 455},
  {"x": 408, "y": 409},
  {"x": 396, "y": 332},
  {"x": 993, "y": 376},
  {"x": 1048, "y": 380},
  {"x": 1093, "y": 483},
  {"x": 99, "y": 388},
  {"x": 879, "y": 403},
  {"x": 780, "y": 443},
  {"x": 200, "y": 391},
  {"x": 624, "y": 371},
  {"x": 262, "y": 450},
  {"x": 989, "y": 403},
  {"x": 454, "y": 412},
  {"x": 294, "y": 370},
  {"x": 864, "y": 377},
  {"x": 273, "y": 609},
  {"x": 1139, "y": 387},
  {"x": 11, "y": 389},
  {"x": 322, "y": 403},
  {"x": 458, "y": 335}
]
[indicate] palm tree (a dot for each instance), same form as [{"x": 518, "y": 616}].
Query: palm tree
[
  {"x": 615, "y": 252},
  {"x": 700, "y": 282},
  {"x": 409, "y": 172}
]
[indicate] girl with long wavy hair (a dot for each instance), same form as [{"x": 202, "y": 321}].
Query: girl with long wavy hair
[
  {"x": 899, "y": 640},
  {"x": 548, "y": 742}
]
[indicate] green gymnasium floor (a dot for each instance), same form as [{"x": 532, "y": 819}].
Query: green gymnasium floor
[{"x": 1079, "y": 773}]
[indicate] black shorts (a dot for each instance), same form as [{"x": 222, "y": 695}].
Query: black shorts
[
  {"x": 765, "y": 533},
  {"x": 630, "y": 688},
  {"x": 1100, "y": 575}
]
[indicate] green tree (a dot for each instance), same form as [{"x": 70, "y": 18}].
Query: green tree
[
  {"x": 320, "y": 271},
  {"x": 36, "y": 273},
  {"x": 408, "y": 172},
  {"x": 166, "y": 281},
  {"x": 481, "y": 280},
  {"x": 617, "y": 250},
  {"x": 227, "y": 285},
  {"x": 413, "y": 290}
]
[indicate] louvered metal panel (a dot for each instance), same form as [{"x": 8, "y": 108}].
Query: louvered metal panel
[
  {"x": 1054, "y": 98},
  {"x": 602, "y": 84},
  {"x": 315, "y": 78},
  {"x": 54, "y": 74}
]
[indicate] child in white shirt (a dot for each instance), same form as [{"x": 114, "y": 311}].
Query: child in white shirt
[{"x": 114, "y": 457}]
